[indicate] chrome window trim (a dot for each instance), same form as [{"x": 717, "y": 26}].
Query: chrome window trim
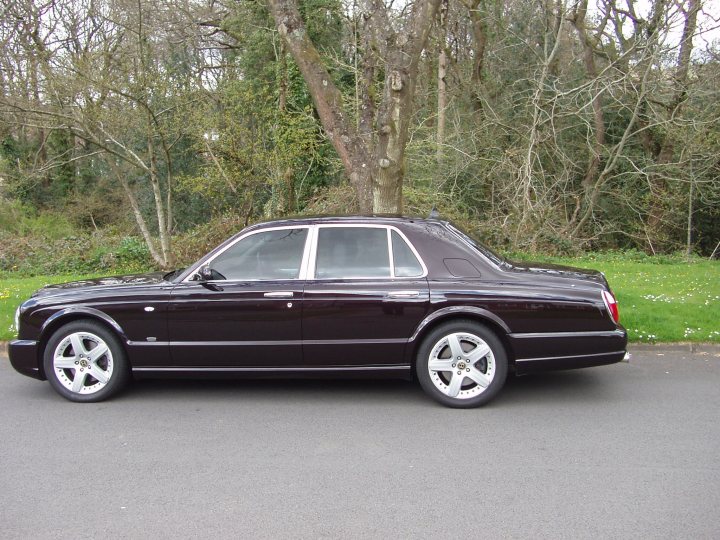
[
  {"x": 409, "y": 244},
  {"x": 309, "y": 258},
  {"x": 389, "y": 228},
  {"x": 302, "y": 275},
  {"x": 391, "y": 257},
  {"x": 313, "y": 253}
]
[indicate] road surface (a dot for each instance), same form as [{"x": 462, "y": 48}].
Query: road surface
[{"x": 628, "y": 450}]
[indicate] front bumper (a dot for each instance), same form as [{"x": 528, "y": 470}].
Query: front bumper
[{"x": 23, "y": 355}]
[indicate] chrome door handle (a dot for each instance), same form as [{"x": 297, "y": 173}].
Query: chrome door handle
[
  {"x": 403, "y": 294},
  {"x": 278, "y": 294}
]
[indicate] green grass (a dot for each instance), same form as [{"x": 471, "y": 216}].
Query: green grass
[
  {"x": 662, "y": 299},
  {"x": 14, "y": 291}
]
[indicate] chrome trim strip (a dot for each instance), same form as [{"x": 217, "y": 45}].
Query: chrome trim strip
[
  {"x": 546, "y": 358},
  {"x": 289, "y": 342},
  {"x": 596, "y": 333},
  {"x": 274, "y": 369},
  {"x": 387, "y": 341}
]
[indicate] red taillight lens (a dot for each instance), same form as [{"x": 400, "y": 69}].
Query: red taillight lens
[{"x": 611, "y": 305}]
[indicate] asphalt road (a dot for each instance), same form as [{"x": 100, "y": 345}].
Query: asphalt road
[{"x": 629, "y": 450}]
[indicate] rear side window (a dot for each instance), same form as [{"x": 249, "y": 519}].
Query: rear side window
[
  {"x": 268, "y": 255},
  {"x": 352, "y": 252},
  {"x": 406, "y": 263}
]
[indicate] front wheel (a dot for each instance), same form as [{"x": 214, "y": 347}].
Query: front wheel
[
  {"x": 85, "y": 362},
  {"x": 462, "y": 364}
]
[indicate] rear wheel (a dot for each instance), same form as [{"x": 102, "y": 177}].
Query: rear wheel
[
  {"x": 462, "y": 364},
  {"x": 85, "y": 362}
]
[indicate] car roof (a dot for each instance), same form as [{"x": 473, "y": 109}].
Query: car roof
[{"x": 354, "y": 219}]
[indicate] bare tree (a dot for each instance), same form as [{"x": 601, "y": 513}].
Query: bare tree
[
  {"x": 104, "y": 81},
  {"x": 375, "y": 167}
]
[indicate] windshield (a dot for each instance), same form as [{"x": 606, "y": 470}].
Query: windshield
[{"x": 490, "y": 254}]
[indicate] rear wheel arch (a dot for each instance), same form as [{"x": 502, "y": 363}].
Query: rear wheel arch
[
  {"x": 479, "y": 363},
  {"x": 493, "y": 326}
]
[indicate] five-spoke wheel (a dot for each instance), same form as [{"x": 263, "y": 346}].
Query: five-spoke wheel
[
  {"x": 84, "y": 362},
  {"x": 462, "y": 364}
]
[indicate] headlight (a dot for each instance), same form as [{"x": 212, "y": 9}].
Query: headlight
[{"x": 17, "y": 320}]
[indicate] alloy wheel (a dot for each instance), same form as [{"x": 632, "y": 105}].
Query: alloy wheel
[
  {"x": 461, "y": 365},
  {"x": 83, "y": 363}
]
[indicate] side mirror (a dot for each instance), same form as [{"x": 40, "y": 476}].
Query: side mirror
[{"x": 205, "y": 274}]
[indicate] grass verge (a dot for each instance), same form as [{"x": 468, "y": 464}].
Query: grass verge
[
  {"x": 14, "y": 291},
  {"x": 662, "y": 300}
]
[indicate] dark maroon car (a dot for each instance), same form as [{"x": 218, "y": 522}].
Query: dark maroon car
[{"x": 348, "y": 296}]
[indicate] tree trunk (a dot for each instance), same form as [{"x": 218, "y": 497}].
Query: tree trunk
[
  {"x": 139, "y": 219},
  {"x": 283, "y": 83},
  {"x": 367, "y": 90},
  {"x": 593, "y": 166},
  {"x": 390, "y": 151},
  {"x": 163, "y": 228},
  {"x": 377, "y": 176},
  {"x": 327, "y": 99},
  {"x": 479, "y": 35},
  {"x": 395, "y": 113},
  {"x": 441, "y": 83}
]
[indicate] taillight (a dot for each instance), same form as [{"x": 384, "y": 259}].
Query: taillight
[{"x": 611, "y": 305}]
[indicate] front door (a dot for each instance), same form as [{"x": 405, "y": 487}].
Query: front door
[{"x": 250, "y": 314}]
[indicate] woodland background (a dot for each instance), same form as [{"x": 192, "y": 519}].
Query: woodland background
[{"x": 139, "y": 133}]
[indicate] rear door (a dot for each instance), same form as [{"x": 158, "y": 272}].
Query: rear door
[{"x": 366, "y": 294}]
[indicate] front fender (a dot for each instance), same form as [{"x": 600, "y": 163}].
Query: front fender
[{"x": 73, "y": 313}]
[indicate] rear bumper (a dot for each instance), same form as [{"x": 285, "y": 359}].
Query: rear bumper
[
  {"x": 533, "y": 365},
  {"x": 567, "y": 350},
  {"x": 23, "y": 355}
]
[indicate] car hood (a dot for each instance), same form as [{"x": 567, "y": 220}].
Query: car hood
[
  {"x": 132, "y": 280},
  {"x": 556, "y": 270}
]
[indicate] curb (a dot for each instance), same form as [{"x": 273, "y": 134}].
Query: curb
[{"x": 710, "y": 348}]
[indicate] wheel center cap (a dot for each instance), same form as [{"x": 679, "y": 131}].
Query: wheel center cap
[
  {"x": 84, "y": 363},
  {"x": 461, "y": 365}
]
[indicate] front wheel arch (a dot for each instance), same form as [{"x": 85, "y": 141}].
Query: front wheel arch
[
  {"x": 93, "y": 349},
  {"x": 58, "y": 321}
]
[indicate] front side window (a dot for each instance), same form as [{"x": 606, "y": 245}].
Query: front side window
[
  {"x": 269, "y": 255},
  {"x": 352, "y": 252}
]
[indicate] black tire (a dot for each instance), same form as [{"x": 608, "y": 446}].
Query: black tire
[
  {"x": 492, "y": 366},
  {"x": 112, "y": 364}
]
